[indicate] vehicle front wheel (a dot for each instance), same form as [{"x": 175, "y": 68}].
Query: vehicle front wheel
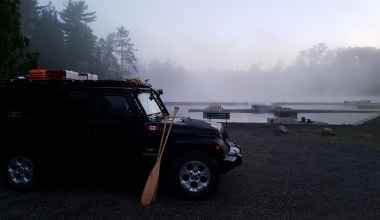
[
  {"x": 195, "y": 175},
  {"x": 22, "y": 170}
]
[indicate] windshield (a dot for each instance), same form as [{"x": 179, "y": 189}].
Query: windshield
[{"x": 150, "y": 106}]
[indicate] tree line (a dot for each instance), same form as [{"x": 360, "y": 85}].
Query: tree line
[
  {"x": 33, "y": 36},
  {"x": 318, "y": 72},
  {"x": 36, "y": 36}
]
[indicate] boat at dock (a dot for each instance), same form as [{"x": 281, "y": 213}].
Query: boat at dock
[
  {"x": 262, "y": 106},
  {"x": 281, "y": 112}
]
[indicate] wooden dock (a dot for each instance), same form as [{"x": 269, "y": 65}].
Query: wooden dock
[
  {"x": 369, "y": 106},
  {"x": 360, "y": 105},
  {"x": 307, "y": 103},
  {"x": 286, "y": 112},
  {"x": 276, "y": 108},
  {"x": 208, "y": 103}
]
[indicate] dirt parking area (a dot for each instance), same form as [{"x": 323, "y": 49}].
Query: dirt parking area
[{"x": 301, "y": 174}]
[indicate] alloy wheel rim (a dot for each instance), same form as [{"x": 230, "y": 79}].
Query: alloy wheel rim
[
  {"x": 20, "y": 169},
  {"x": 194, "y": 176}
]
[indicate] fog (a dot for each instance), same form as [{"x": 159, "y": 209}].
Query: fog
[
  {"x": 249, "y": 50},
  {"x": 293, "y": 83}
]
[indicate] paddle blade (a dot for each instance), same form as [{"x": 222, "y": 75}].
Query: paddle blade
[
  {"x": 155, "y": 193},
  {"x": 150, "y": 185}
]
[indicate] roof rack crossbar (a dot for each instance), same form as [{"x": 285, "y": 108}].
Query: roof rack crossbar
[{"x": 80, "y": 83}]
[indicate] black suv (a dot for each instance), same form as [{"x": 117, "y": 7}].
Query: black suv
[{"x": 49, "y": 125}]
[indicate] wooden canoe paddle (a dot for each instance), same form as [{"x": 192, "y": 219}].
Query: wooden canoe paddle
[
  {"x": 151, "y": 183},
  {"x": 162, "y": 138},
  {"x": 159, "y": 152}
]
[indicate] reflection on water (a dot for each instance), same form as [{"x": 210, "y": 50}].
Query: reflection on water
[{"x": 330, "y": 118}]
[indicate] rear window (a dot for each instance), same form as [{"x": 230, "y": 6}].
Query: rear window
[{"x": 62, "y": 105}]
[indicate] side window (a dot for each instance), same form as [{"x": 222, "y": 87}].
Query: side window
[
  {"x": 61, "y": 106},
  {"x": 108, "y": 107},
  {"x": 16, "y": 105}
]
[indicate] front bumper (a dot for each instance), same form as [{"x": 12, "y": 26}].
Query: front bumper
[{"x": 233, "y": 158}]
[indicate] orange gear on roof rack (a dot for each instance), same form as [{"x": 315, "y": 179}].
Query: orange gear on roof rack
[
  {"x": 37, "y": 74},
  {"x": 58, "y": 74}
]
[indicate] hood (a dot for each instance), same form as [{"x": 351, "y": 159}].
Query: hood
[{"x": 195, "y": 127}]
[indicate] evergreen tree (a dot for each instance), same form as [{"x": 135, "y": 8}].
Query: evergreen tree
[
  {"x": 107, "y": 61},
  {"x": 124, "y": 49},
  {"x": 79, "y": 39},
  {"x": 30, "y": 12},
  {"x": 48, "y": 39},
  {"x": 12, "y": 43}
]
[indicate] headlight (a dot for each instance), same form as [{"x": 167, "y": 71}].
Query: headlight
[{"x": 218, "y": 127}]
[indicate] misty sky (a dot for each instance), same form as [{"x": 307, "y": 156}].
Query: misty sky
[{"x": 235, "y": 34}]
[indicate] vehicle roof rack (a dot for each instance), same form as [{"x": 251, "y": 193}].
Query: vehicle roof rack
[{"x": 134, "y": 83}]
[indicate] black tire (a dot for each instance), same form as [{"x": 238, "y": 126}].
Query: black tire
[
  {"x": 22, "y": 170},
  {"x": 195, "y": 175}
]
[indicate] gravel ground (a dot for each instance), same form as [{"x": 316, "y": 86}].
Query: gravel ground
[{"x": 302, "y": 174}]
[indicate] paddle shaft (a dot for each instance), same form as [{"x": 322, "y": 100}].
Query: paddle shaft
[
  {"x": 159, "y": 152},
  {"x": 151, "y": 183}
]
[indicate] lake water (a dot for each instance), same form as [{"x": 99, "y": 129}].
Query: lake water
[{"x": 330, "y": 118}]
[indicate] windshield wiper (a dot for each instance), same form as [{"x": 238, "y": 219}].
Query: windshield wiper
[{"x": 157, "y": 115}]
